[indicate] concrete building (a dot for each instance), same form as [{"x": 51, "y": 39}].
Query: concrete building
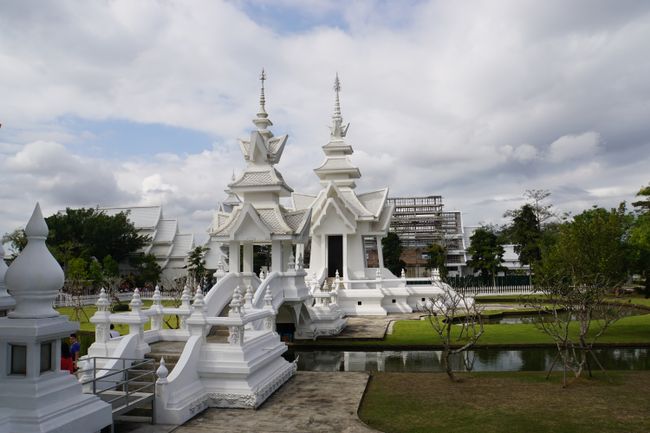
[{"x": 422, "y": 221}]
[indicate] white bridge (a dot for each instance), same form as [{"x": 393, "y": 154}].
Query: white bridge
[{"x": 231, "y": 355}]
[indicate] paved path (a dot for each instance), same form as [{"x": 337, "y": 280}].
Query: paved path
[
  {"x": 370, "y": 327},
  {"x": 309, "y": 402}
]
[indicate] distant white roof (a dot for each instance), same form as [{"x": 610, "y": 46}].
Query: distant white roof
[
  {"x": 183, "y": 244},
  {"x": 167, "y": 229},
  {"x": 166, "y": 241},
  {"x": 142, "y": 217}
]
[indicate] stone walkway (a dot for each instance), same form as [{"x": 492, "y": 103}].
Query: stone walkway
[
  {"x": 310, "y": 402},
  {"x": 370, "y": 327}
]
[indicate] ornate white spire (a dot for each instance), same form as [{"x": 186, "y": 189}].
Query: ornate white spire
[
  {"x": 262, "y": 120},
  {"x": 337, "y": 102},
  {"x": 337, "y": 168},
  {"x": 34, "y": 278},
  {"x": 338, "y": 131},
  {"x": 262, "y": 112}
]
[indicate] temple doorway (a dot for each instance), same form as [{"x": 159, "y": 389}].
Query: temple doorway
[{"x": 334, "y": 255}]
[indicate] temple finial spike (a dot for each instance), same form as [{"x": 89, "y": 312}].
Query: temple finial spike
[
  {"x": 262, "y": 97},
  {"x": 337, "y": 102}
]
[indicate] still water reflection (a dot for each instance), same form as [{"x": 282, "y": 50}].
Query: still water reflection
[{"x": 483, "y": 360}]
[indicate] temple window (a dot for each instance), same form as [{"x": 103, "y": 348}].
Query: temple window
[
  {"x": 46, "y": 357},
  {"x": 18, "y": 359}
]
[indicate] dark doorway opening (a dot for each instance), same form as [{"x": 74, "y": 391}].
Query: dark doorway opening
[
  {"x": 286, "y": 331},
  {"x": 334, "y": 255}
]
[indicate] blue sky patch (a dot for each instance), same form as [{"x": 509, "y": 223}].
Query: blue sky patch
[{"x": 116, "y": 138}]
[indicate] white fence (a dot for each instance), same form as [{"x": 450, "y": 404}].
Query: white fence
[
  {"x": 498, "y": 290},
  {"x": 67, "y": 300}
]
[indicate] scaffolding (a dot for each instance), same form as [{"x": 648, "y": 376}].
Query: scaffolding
[{"x": 422, "y": 221}]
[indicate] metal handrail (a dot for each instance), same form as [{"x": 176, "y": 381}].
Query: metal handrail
[{"x": 134, "y": 363}]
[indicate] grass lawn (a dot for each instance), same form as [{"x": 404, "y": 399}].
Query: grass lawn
[
  {"x": 631, "y": 330},
  {"x": 628, "y": 330},
  {"x": 506, "y": 402}
]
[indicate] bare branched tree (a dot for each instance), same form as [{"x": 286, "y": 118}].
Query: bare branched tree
[
  {"x": 452, "y": 310},
  {"x": 575, "y": 317},
  {"x": 174, "y": 289}
]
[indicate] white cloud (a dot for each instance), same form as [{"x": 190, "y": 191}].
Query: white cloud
[
  {"x": 570, "y": 147},
  {"x": 433, "y": 91}
]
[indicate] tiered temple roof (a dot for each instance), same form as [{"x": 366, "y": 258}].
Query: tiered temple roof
[
  {"x": 337, "y": 174},
  {"x": 168, "y": 244},
  {"x": 260, "y": 187}
]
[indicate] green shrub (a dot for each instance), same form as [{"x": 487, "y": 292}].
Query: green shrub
[{"x": 120, "y": 307}]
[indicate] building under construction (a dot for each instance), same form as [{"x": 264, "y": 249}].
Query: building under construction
[{"x": 420, "y": 222}]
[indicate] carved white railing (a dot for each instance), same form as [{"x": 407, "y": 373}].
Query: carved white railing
[
  {"x": 271, "y": 282},
  {"x": 238, "y": 320}
]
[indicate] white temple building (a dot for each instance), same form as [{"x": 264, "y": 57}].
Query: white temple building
[
  {"x": 168, "y": 244},
  {"x": 343, "y": 221},
  {"x": 231, "y": 353},
  {"x": 217, "y": 254}
]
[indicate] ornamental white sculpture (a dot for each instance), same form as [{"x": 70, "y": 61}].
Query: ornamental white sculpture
[
  {"x": 35, "y": 276},
  {"x": 35, "y": 395}
]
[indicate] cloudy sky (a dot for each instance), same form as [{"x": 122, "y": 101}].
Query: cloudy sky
[{"x": 126, "y": 103}]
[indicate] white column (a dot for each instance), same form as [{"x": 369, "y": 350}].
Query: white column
[
  {"x": 276, "y": 256},
  {"x": 345, "y": 257},
  {"x": 248, "y": 257},
  {"x": 287, "y": 250},
  {"x": 380, "y": 252},
  {"x": 323, "y": 249},
  {"x": 300, "y": 251},
  {"x": 233, "y": 256}
]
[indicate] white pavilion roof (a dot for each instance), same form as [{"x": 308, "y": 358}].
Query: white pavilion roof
[
  {"x": 166, "y": 241},
  {"x": 142, "y": 217},
  {"x": 183, "y": 244},
  {"x": 167, "y": 229}
]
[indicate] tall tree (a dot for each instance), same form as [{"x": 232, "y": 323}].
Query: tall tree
[
  {"x": 536, "y": 199},
  {"x": 639, "y": 238},
  {"x": 525, "y": 234},
  {"x": 392, "y": 249},
  {"x": 591, "y": 246},
  {"x": 437, "y": 259},
  {"x": 147, "y": 269},
  {"x": 486, "y": 253},
  {"x": 91, "y": 233},
  {"x": 17, "y": 240},
  {"x": 196, "y": 264}
]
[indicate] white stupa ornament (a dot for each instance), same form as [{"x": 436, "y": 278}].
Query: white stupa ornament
[
  {"x": 35, "y": 277},
  {"x": 6, "y": 301}
]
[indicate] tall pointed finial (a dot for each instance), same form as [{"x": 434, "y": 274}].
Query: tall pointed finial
[
  {"x": 262, "y": 120},
  {"x": 338, "y": 131},
  {"x": 232, "y": 178},
  {"x": 262, "y": 112},
  {"x": 337, "y": 102}
]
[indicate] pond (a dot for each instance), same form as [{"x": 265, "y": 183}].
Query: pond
[{"x": 538, "y": 359}]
